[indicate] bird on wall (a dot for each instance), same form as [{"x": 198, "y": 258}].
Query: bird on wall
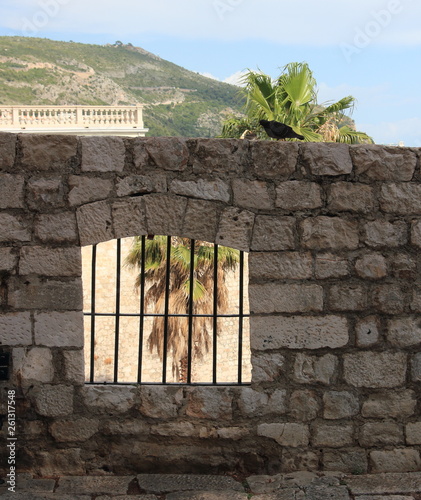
[{"x": 279, "y": 130}]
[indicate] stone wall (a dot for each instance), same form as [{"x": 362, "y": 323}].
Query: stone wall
[{"x": 333, "y": 234}]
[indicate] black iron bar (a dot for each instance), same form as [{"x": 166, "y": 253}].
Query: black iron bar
[
  {"x": 141, "y": 308},
  {"x": 215, "y": 313},
  {"x": 166, "y": 311},
  {"x": 93, "y": 288},
  {"x": 117, "y": 310},
  {"x": 190, "y": 328},
  {"x": 240, "y": 319}
]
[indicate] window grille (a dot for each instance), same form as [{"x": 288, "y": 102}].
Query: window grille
[{"x": 235, "y": 315}]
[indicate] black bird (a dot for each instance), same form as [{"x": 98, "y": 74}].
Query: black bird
[{"x": 279, "y": 130}]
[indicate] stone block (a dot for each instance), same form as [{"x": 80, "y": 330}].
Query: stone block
[
  {"x": 15, "y": 329},
  {"x": 53, "y": 400},
  {"x": 380, "y": 434},
  {"x": 286, "y": 434},
  {"x": 416, "y": 367},
  {"x": 392, "y": 404},
  {"x": 168, "y": 153},
  {"x": 329, "y": 265},
  {"x": 298, "y": 195},
  {"x": 45, "y": 193},
  {"x": 383, "y": 163},
  {"x": 14, "y": 228},
  {"x": 212, "y": 156},
  {"x": 367, "y": 331},
  {"x": 347, "y": 297},
  {"x": 310, "y": 369},
  {"x": 413, "y": 433},
  {"x": 8, "y": 259},
  {"x": 7, "y": 150},
  {"x": 81, "y": 429},
  {"x": 402, "y": 198},
  {"x": 415, "y": 302},
  {"x": 84, "y": 189},
  {"x": 164, "y": 483},
  {"x": 304, "y": 405},
  {"x": 141, "y": 184},
  {"x": 251, "y": 194},
  {"x": 126, "y": 427},
  {"x": 102, "y": 154},
  {"x": 371, "y": 266},
  {"x": 32, "y": 365},
  {"x": 340, "y": 404},
  {"x": 351, "y": 197},
  {"x": 267, "y": 366},
  {"x": 11, "y": 191},
  {"x": 403, "y": 266},
  {"x": 90, "y": 485},
  {"x": 384, "y": 483},
  {"x": 165, "y": 214},
  {"x": 209, "y": 403},
  {"x": 235, "y": 228},
  {"x": 416, "y": 233},
  {"x": 332, "y": 435},
  {"x": 353, "y": 461},
  {"x": 47, "y": 152},
  {"x": 74, "y": 366},
  {"x": 112, "y": 399},
  {"x": 233, "y": 433},
  {"x": 274, "y": 160},
  {"x": 56, "y": 228},
  {"x": 375, "y": 369},
  {"x": 382, "y": 233},
  {"x": 398, "y": 460},
  {"x": 404, "y": 332},
  {"x": 129, "y": 217},
  {"x": 94, "y": 223},
  {"x": 274, "y": 297},
  {"x": 389, "y": 299},
  {"x": 212, "y": 189},
  {"x": 326, "y": 158},
  {"x": 255, "y": 404},
  {"x": 180, "y": 429},
  {"x": 281, "y": 265},
  {"x": 161, "y": 401},
  {"x": 273, "y": 233},
  {"x": 56, "y": 463},
  {"x": 59, "y": 329},
  {"x": 294, "y": 459},
  {"x": 329, "y": 233},
  {"x": 201, "y": 220},
  {"x": 48, "y": 261}
]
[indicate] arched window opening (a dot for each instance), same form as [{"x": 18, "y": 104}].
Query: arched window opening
[{"x": 152, "y": 318}]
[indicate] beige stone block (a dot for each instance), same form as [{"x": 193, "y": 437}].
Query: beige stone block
[
  {"x": 11, "y": 191},
  {"x": 47, "y": 152},
  {"x": 50, "y": 261},
  {"x": 233, "y": 433},
  {"x": 251, "y": 194},
  {"x": 14, "y": 228},
  {"x": 252, "y": 403},
  {"x": 304, "y": 405},
  {"x": 413, "y": 433},
  {"x": 94, "y": 223},
  {"x": 326, "y": 158},
  {"x": 404, "y": 332},
  {"x": 398, "y": 460},
  {"x": 56, "y": 228},
  {"x": 375, "y": 369},
  {"x": 204, "y": 189},
  {"x": 59, "y": 329},
  {"x": 347, "y": 297},
  {"x": 310, "y": 369},
  {"x": 32, "y": 365},
  {"x": 298, "y": 195},
  {"x": 273, "y": 160},
  {"x": 8, "y": 259},
  {"x": 382, "y": 233},
  {"x": 346, "y": 196},
  {"x": 102, "y": 154},
  {"x": 140, "y": 184},
  {"x": 281, "y": 265},
  {"x": 298, "y": 332},
  {"x": 349, "y": 460},
  {"x": 340, "y": 404},
  {"x": 273, "y": 233},
  {"x": 215, "y": 156},
  {"x": 402, "y": 198},
  {"x": 389, "y": 299},
  {"x": 393, "y": 404},
  {"x": 180, "y": 429},
  {"x": 53, "y": 400},
  {"x": 129, "y": 218},
  {"x": 45, "y": 193},
  {"x": 267, "y": 366},
  {"x": 380, "y": 434},
  {"x": 168, "y": 153},
  {"x": 126, "y": 427},
  {"x": 235, "y": 228},
  {"x": 15, "y": 328},
  {"x": 7, "y": 150},
  {"x": 371, "y": 266},
  {"x": 111, "y": 399},
  {"x": 84, "y": 189},
  {"x": 416, "y": 233},
  {"x": 274, "y": 297},
  {"x": 332, "y": 435},
  {"x": 201, "y": 220},
  {"x": 286, "y": 434},
  {"x": 74, "y": 366},
  {"x": 209, "y": 403},
  {"x": 59, "y": 462},
  {"x": 383, "y": 163},
  {"x": 329, "y": 265},
  {"x": 329, "y": 232},
  {"x": 81, "y": 429},
  {"x": 161, "y": 401},
  {"x": 165, "y": 214},
  {"x": 367, "y": 331}
]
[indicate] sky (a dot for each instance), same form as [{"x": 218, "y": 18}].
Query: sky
[{"x": 370, "y": 49}]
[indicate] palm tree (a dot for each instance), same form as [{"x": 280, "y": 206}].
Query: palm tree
[
  {"x": 179, "y": 288},
  {"x": 292, "y": 99}
]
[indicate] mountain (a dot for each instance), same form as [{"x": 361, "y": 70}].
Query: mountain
[{"x": 178, "y": 102}]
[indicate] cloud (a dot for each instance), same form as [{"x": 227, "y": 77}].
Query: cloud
[
  {"x": 235, "y": 78},
  {"x": 407, "y": 130}
]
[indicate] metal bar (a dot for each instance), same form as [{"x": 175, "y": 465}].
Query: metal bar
[
  {"x": 141, "y": 308},
  {"x": 190, "y": 328},
  {"x": 176, "y": 384},
  {"x": 117, "y": 310},
  {"x": 240, "y": 319},
  {"x": 215, "y": 313},
  {"x": 170, "y": 315},
  {"x": 93, "y": 290},
  {"x": 166, "y": 308}
]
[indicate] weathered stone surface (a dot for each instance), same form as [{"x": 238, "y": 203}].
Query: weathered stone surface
[
  {"x": 350, "y": 460},
  {"x": 14, "y": 228},
  {"x": 84, "y": 189},
  {"x": 402, "y": 198},
  {"x": 294, "y": 459},
  {"x": 15, "y": 328},
  {"x": 347, "y": 297},
  {"x": 251, "y": 194},
  {"x": 389, "y": 299},
  {"x": 398, "y": 460},
  {"x": 394, "y": 404},
  {"x": 315, "y": 369},
  {"x": 126, "y": 427},
  {"x": 413, "y": 433},
  {"x": 31, "y": 365},
  {"x": 102, "y": 154},
  {"x": 371, "y": 266},
  {"x": 273, "y": 297},
  {"x": 267, "y": 366},
  {"x": 168, "y": 153},
  {"x": 233, "y": 433},
  {"x": 380, "y": 433},
  {"x": 329, "y": 232},
  {"x": 59, "y": 329},
  {"x": 45, "y": 193},
  {"x": 216, "y": 156},
  {"x": 326, "y": 158},
  {"x": 73, "y": 430},
  {"x": 201, "y": 220},
  {"x": 7, "y": 150},
  {"x": 140, "y": 184},
  {"x": 8, "y": 259},
  {"x": 281, "y": 265},
  {"x": 416, "y": 233},
  {"x": 288, "y": 434},
  {"x": 367, "y": 331},
  {"x": 206, "y": 495},
  {"x": 340, "y": 404},
  {"x": 404, "y": 332},
  {"x": 273, "y": 233},
  {"x": 160, "y": 402},
  {"x": 93, "y": 485},
  {"x": 298, "y": 195},
  {"x": 384, "y": 483},
  {"x": 111, "y": 400},
  {"x": 273, "y": 160},
  {"x": 375, "y": 369},
  {"x": 181, "y": 429},
  {"x": 56, "y": 228},
  {"x": 53, "y": 400},
  {"x": 164, "y": 483},
  {"x": 53, "y": 463},
  {"x": 47, "y": 152},
  {"x": 382, "y": 233},
  {"x": 403, "y": 266},
  {"x": 48, "y": 261},
  {"x": 74, "y": 366},
  {"x": 329, "y": 265},
  {"x": 344, "y": 196},
  {"x": 415, "y": 302},
  {"x": 129, "y": 217},
  {"x": 304, "y": 405},
  {"x": 332, "y": 435},
  {"x": 164, "y": 214},
  {"x": 298, "y": 332},
  {"x": 254, "y": 403},
  {"x": 416, "y": 367},
  {"x": 216, "y": 190},
  {"x": 209, "y": 403},
  {"x": 235, "y": 228},
  {"x": 383, "y": 163},
  {"x": 11, "y": 191},
  {"x": 94, "y": 223}
]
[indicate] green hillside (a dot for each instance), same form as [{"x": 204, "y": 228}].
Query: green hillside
[{"x": 177, "y": 101}]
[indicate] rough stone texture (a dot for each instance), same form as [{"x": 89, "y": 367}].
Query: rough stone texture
[
  {"x": 212, "y": 156},
  {"x": 329, "y": 265},
  {"x": 164, "y": 215},
  {"x": 59, "y": 329},
  {"x": 140, "y": 184},
  {"x": 329, "y": 233},
  {"x": 73, "y": 430},
  {"x": 129, "y": 218},
  {"x": 401, "y": 198},
  {"x": 14, "y": 228},
  {"x": 102, "y": 154},
  {"x": 332, "y": 435},
  {"x": 404, "y": 332},
  {"x": 74, "y": 366},
  {"x": 46, "y": 152},
  {"x": 326, "y": 159},
  {"x": 11, "y": 191},
  {"x": 31, "y": 365},
  {"x": 298, "y": 195},
  {"x": 372, "y": 369},
  {"x": 86, "y": 189},
  {"x": 216, "y": 190},
  {"x": 251, "y": 194},
  {"x": 273, "y": 233},
  {"x": 403, "y": 266},
  {"x": 168, "y": 153},
  {"x": 46, "y": 193},
  {"x": 209, "y": 404},
  {"x": 349, "y": 460},
  {"x": 382, "y": 233},
  {"x": 340, "y": 404},
  {"x": 56, "y": 228},
  {"x": 371, "y": 266},
  {"x": 108, "y": 399},
  {"x": 347, "y": 298},
  {"x": 413, "y": 433},
  {"x": 267, "y": 367},
  {"x": 416, "y": 367},
  {"x": 8, "y": 259},
  {"x": 273, "y": 159},
  {"x": 380, "y": 433},
  {"x": 53, "y": 400},
  {"x": 93, "y": 484},
  {"x": 188, "y": 482},
  {"x": 253, "y": 403},
  {"x": 389, "y": 299},
  {"x": 7, "y": 150},
  {"x": 398, "y": 404},
  {"x": 367, "y": 331},
  {"x": 344, "y": 196},
  {"x": 94, "y": 223},
  {"x": 289, "y": 434},
  {"x": 281, "y": 265},
  {"x": 399, "y": 460},
  {"x": 159, "y": 403},
  {"x": 271, "y": 297},
  {"x": 384, "y": 483},
  {"x": 315, "y": 369},
  {"x": 201, "y": 220},
  {"x": 416, "y": 233},
  {"x": 304, "y": 405},
  {"x": 50, "y": 261},
  {"x": 235, "y": 229},
  {"x": 15, "y": 329}
]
